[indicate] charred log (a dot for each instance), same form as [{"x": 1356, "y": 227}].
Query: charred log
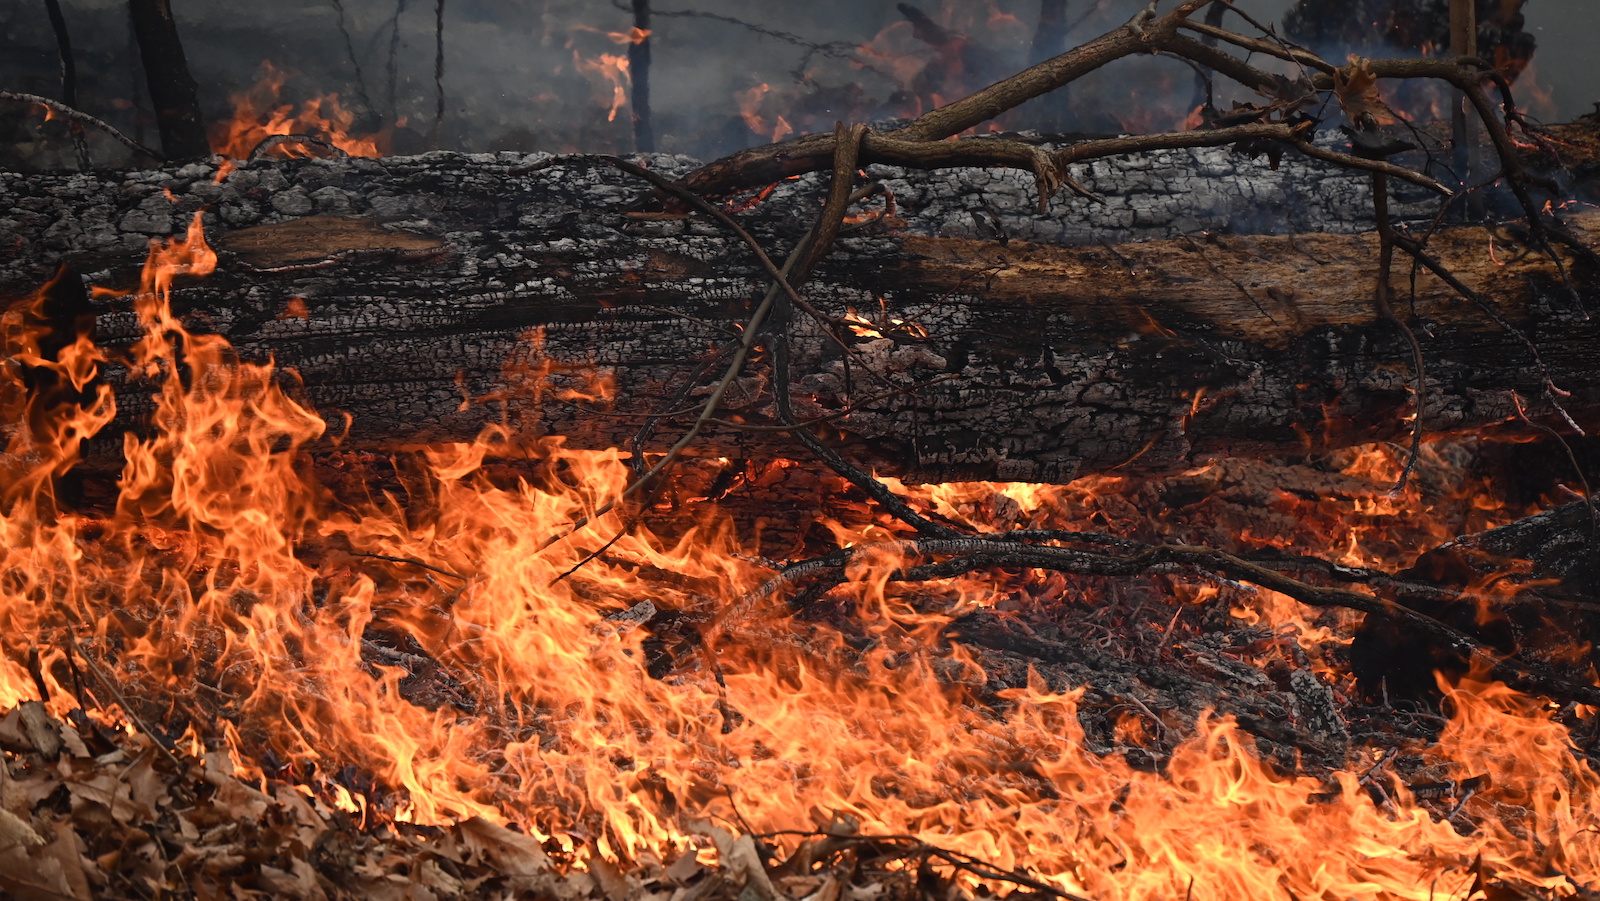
[{"x": 436, "y": 295}]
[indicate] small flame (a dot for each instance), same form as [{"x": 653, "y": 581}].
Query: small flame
[{"x": 750, "y": 105}]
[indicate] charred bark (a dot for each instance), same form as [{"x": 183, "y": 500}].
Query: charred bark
[
  {"x": 972, "y": 350},
  {"x": 173, "y": 91}
]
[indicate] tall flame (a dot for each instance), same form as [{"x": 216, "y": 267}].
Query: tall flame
[{"x": 466, "y": 666}]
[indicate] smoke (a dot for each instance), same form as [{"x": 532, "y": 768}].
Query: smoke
[{"x": 524, "y": 74}]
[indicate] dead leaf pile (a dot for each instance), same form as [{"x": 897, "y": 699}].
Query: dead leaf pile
[{"x": 93, "y": 813}]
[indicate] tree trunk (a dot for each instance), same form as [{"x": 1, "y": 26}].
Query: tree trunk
[
  {"x": 972, "y": 353},
  {"x": 173, "y": 91}
]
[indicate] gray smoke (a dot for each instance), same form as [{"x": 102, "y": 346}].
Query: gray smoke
[{"x": 515, "y": 78}]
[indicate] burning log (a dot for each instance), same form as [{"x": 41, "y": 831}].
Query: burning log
[{"x": 549, "y": 296}]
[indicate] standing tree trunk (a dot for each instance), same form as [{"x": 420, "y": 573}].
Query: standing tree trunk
[{"x": 173, "y": 91}]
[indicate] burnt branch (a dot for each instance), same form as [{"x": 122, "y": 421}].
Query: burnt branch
[
  {"x": 69, "y": 78},
  {"x": 1383, "y": 296},
  {"x": 951, "y": 557},
  {"x": 60, "y": 108}
]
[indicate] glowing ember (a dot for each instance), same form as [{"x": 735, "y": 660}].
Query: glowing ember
[{"x": 222, "y": 563}]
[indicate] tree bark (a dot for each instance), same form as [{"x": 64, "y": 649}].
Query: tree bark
[
  {"x": 173, "y": 91},
  {"x": 427, "y": 282}
]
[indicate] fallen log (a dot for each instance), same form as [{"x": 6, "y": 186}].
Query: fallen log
[{"x": 427, "y": 297}]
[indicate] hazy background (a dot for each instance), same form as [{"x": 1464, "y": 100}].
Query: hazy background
[{"x": 530, "y": 74}]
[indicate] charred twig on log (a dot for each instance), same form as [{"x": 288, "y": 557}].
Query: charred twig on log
[
  {"x": 78, "y": 116},
  {"x": 747, "y": 340},
  {"x": 268, "y": 143}
]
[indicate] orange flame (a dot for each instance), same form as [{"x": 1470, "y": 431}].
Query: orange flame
[
  {"x": 613, "y": 70},
  {"x": 750, "y": 104},
  {"x": 258, "y": 115}
]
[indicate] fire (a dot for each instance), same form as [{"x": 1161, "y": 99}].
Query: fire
[
  {"x": 259, "y": 115},
  {"x": 613, "y": 71},
  {"x": 750, "y": 103},
  {"x": 306, "y": 617}
]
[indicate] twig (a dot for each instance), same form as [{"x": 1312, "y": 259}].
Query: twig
[
  {"x": 970, "y": 553},
  {"x": 69, "y": 78},
  {"x": 271, "y": 141},
  {"x": 61, "y": 108},
  {"x": 116, "y": 693},
  {"x": 1278, "y": 48},
  {"x": 411, "y": 561},
  {"x": 644, "y": 134},
  {"x": 1386, "y": 242},
  {"x": 918, "y": 847},
  {"x": 438, "y": 74},
  {"x": 747, "y": 340},
  {"x": 1376, "y": 166},
  {"x": 350, "y": 53}
]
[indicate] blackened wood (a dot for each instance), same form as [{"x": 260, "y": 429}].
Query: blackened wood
[
  {"x": 69, "y": 77},
  {"x": 431, "y": 281},
  {"x": 173, "y": 91},
  {"x": 644, "y": 133}
]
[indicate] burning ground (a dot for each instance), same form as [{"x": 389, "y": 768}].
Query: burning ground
[{"x": 449, "y": 674}]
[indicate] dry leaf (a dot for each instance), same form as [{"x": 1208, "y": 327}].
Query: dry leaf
[
  {"x": 829, "y": 891},
  {"x": 15, "y": 831},
  {"x": 509, "y": 852},
  {"x": 743, "y": 863},
  {"x": 300, "y": 881},
  {"x": 611, "y": 880},
  {"x": 1356, "y": 86},
  {"x": 40, "y": 728},
  {"x": 684, "y": 869},
  {"x": 68, "y": 855}
]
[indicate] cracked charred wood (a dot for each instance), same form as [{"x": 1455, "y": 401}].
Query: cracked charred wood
[{"x": 427, "y": 297}]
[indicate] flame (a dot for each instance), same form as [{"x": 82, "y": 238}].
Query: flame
[
  {"x": 1537, "y": 100},
  {"x": 613, "y": 71},
  {"x": 258, "y": 115},
  {"x": 750, "y": 104},
  {"x": 318, "y": 623},
  {"x": 634, "y": 35}
]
